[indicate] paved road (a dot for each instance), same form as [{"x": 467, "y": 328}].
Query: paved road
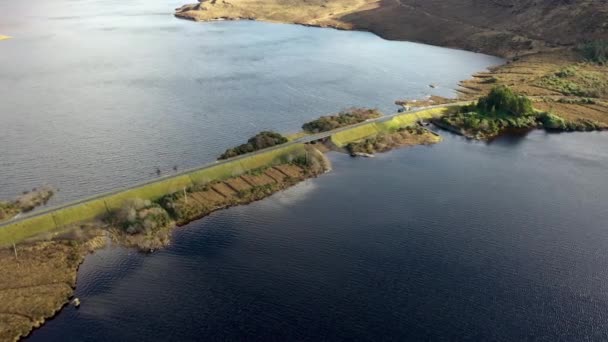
[{"x": 302, "y": 140}]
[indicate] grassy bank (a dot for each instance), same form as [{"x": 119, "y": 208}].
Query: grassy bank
[
  {"x": 388, "y": 140},
  {"x": 102, "y": 206},
  {"x": 38, "y": 280},
  {"x": 343, "y": 138}
]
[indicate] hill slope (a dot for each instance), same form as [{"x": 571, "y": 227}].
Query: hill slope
[{"x": 500, "y": 27}]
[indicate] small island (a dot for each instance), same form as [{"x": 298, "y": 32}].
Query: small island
[
  {"x": 27, "y": 201},
  {"x": 502, "y": 111}
]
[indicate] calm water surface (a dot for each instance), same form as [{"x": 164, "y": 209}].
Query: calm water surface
[
  {"x": 97, "y": 94},
  {"x": 458, "y": 241}
]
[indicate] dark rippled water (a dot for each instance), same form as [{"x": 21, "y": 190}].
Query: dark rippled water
[
  {"x": 458, "y": 241},
  {"x": 97, "y": 94}
]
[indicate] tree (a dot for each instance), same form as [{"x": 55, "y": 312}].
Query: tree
[{"x": 501, "y": 99}]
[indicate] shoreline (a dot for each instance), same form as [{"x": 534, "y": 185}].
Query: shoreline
[{"x": 233, "y": 201}]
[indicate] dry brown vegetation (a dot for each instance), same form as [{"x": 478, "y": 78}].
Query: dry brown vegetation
[
  {"x": 311, "y": 12},
  {"x": 25, "y": 202},
  {"x": 201, "y": 200},
  {"x": 37, "y": 282},
  {"x": 408, "y": 136},
  {"x": 432, "y": 100},
  {"x": 505, "y": 28},
  {"x": 557, "y": 82}
]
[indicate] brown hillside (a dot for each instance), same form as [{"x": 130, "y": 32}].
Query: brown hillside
[{"x": 500, "y": 27}]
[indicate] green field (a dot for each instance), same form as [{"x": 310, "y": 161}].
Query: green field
[{"x": 100, "y": 206}]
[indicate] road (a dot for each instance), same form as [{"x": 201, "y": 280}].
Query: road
[{"x": 302, "y": 140}]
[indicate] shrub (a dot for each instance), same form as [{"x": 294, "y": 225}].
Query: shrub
[
  {"x": 259, "y": 141},
  {"x": 139, "y": 216},
  {"x": 345, "y": 118},
  {"x": 552, "y": 122},
  {"x": 566, "y": 72}
]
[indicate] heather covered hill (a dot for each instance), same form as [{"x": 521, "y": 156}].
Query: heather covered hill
[{"x": 500, "y": 27}]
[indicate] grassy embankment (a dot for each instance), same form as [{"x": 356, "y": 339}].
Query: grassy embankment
[
  {"x": 100, "y": 207},
  {"x": 343, "y": 138},
  {"x": 372, "y": 137},
  {"x": 386, "y": 141},
  {"x": 104, "y": 206}
]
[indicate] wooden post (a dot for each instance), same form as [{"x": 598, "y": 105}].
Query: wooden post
[
  {"x": 15, "y": 249},
  {"x": 185, "y": 196}
]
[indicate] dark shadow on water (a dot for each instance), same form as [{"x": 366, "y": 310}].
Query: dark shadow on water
[{"x": 511, "y": 137}]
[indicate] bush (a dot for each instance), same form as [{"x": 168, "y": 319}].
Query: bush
[
  {"x": 345, "y": 118},
  {"x": 552, "y": 122},
  {"x": 139, "y": 216},
  {"x": 566, "y": 72},
  {"x": 259, "y": 141}
]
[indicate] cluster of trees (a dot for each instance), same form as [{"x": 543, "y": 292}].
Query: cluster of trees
[
  {"x": 596, "y": 51},
  {"x": 259, "y": 141},
  {"x": 345, "y": 118},
  {"x": 502, "y": 100},
  {"x": 139, "y": 216}
]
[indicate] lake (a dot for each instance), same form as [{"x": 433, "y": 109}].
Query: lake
[
  {"x": 457, "y": 241},
  {"x": 96, "y": 95}
]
